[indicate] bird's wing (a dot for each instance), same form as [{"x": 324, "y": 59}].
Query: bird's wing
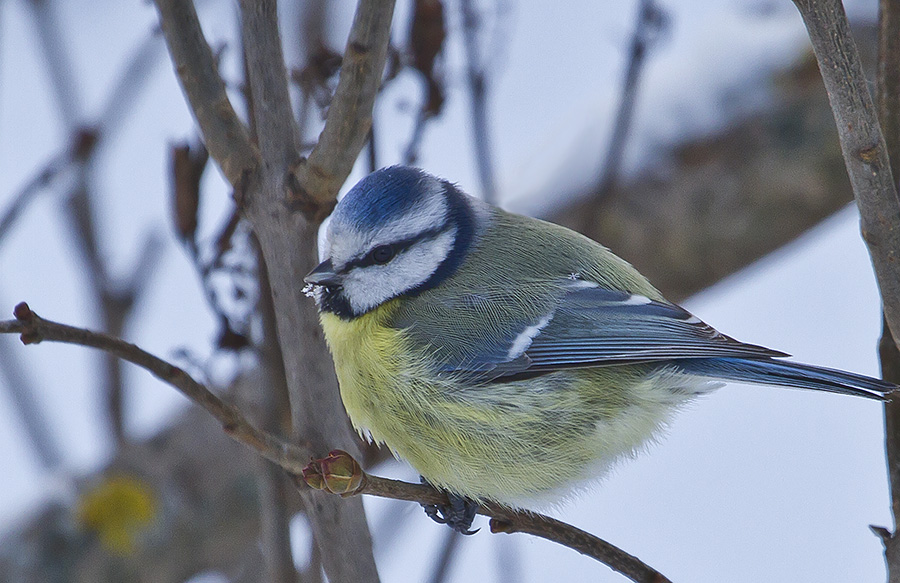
[{"x": 591, "y": 326}]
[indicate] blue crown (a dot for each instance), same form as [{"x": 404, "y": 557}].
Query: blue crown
[{"x": 381, "y": 196}]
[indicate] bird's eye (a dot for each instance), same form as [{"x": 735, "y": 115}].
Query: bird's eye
[{"x": 382, "y": 254}]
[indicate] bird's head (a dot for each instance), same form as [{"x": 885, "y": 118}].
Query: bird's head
[{"x": 399, "y": 231}]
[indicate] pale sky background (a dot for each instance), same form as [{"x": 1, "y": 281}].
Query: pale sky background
[{"x": 750, "y": 484}]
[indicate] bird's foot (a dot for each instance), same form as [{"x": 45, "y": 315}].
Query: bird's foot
[{"x": 458, "y": 514}]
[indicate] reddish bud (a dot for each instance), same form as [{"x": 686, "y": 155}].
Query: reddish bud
[
  {"x": 22, "y": 312},
  {"x": 342, "y": 473}
]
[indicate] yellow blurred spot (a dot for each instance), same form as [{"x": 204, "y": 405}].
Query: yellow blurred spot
[{"x": 118, "y": 509}]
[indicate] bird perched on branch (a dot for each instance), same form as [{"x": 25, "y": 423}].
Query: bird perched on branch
[{"x": 506, "y": 358}]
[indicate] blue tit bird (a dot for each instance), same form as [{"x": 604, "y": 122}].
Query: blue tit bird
[{"x": 509, "y": 359}]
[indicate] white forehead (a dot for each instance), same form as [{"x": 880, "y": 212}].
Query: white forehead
[{"x": 345, "y": 240}]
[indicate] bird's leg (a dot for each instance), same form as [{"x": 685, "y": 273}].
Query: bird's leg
[{"x": 458, "y": 514}]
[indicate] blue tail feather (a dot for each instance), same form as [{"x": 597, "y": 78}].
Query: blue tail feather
[{"x": 789, "y": 374}]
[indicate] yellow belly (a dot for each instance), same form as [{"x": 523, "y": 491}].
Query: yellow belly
[{"x": 510, "y": 442}]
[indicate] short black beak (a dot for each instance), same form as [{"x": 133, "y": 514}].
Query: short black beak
[{"x": 323, "y": 274}]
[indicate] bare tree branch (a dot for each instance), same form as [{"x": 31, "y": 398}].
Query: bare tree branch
[
  {"x": 275, "y": 535},
  {"x": 737, "y": 195},
  {"x": 507, "y": 520},
  {"x": 340, "y": 530},
  {"x": 34, "y": 329},
  {"x": 862, "y": 144},
  {"x": 114, "y": 302},
  {"x": 120, "y": 97},
  {"x": 288, "y": 240},
  {"x": 890, "y": 370},
  {"x": 427, "y": 33},
  {"x": 888, "y": 88},
  {"x": 225, "y": 135},
  {"x": 316, "y": 180},
  {"x": 130, "y": 81},
  {"x": 285, "y": 238},
  {"x": 115, "y": 299},
  {"x": 271, "y": 112},
  {"x": 312, "y": 24},
  {"x": 870, "y": 168}
]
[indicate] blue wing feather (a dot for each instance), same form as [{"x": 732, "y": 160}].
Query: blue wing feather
[{"x": 592, "y": 326}]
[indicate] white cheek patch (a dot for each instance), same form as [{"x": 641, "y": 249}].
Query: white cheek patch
[{"x": 368, "y": 287}]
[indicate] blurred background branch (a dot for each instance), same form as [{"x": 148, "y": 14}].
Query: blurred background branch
[{"x": 476, "y": 59}]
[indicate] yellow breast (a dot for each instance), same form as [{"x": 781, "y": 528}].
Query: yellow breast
[{"x": 367, "y": 359}]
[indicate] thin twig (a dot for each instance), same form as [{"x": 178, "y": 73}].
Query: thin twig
[
  {"x": 427, "y": 33},
  {"x": 131, "y": 79},
  {"x": 293, "y": 458},
  {"x": 411, "y": 154},
  {"x": 650, "y": 21},
  {"x": 120, "y": 97},
  {"x": 478, "y": 91},
  {"x": 313, "y": 22},
  {"x": 890, "y": 370},
  {"x": 372, "y": 150},
  {"x": 188, "y": 164},
  {"x": 114, "y": 301}
]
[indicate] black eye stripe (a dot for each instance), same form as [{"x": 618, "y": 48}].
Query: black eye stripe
[{"x": 397, "y": 247}]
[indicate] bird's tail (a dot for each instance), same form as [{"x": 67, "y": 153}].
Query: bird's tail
[{"x": 790, "y": 374}]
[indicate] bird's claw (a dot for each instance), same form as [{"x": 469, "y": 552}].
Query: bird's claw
[{"x": 458, "y": 514}]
